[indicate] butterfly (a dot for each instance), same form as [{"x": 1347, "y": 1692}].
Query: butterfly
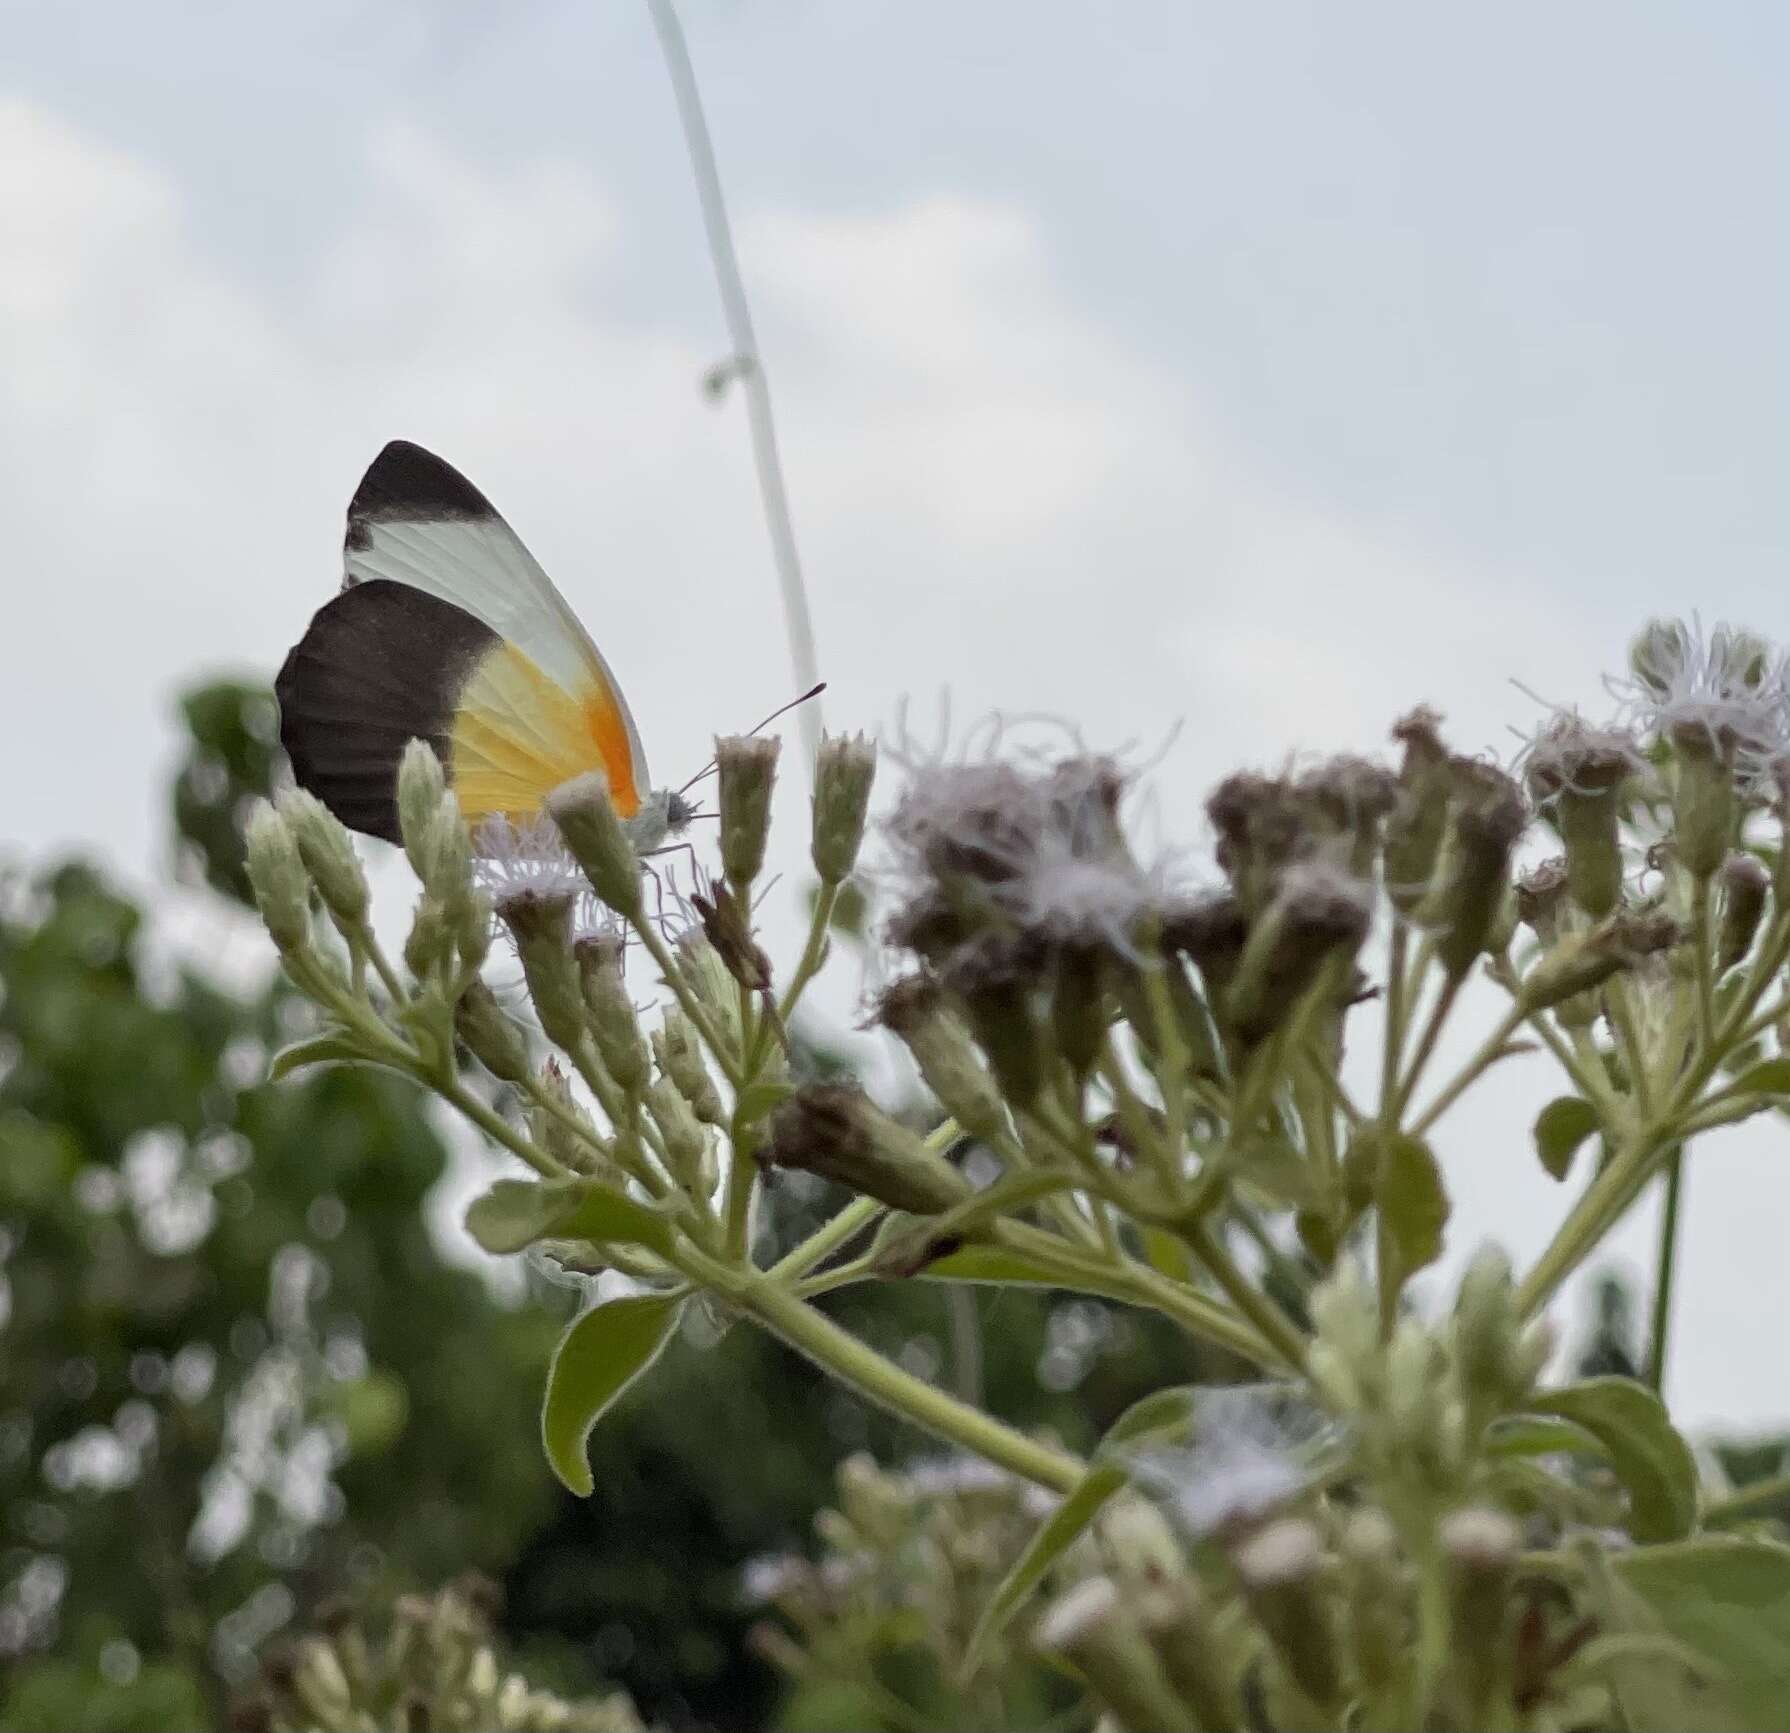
[{"x": 447, "y": 630}]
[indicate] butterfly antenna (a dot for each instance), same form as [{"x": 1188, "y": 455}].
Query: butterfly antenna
[{"x": 781, "y": 710}]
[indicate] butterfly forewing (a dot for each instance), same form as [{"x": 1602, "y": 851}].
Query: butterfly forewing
[{"x": 447, "y": 629}]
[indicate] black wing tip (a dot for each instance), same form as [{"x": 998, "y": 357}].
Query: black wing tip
[{"x": 406, "y": 483}]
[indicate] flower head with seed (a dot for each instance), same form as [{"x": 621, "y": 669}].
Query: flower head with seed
[
  {"x": 1728, "y": 685},
  {"x": 1567, "y": 755}
]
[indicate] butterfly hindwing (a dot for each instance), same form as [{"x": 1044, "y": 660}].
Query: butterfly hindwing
[{"x": 448, "y": 630}]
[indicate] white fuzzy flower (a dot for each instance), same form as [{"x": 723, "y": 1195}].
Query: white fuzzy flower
[
  {"x": 511, "y": 860},
  {"x": 1726, "y": 683},
  {"x": 1249, "y": 1455}
]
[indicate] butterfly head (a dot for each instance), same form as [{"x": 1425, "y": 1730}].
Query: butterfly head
[{"x": 663, "y": 816}]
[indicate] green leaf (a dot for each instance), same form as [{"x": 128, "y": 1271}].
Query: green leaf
[
  {"x": 1630, "y": 1424},
  {"x": 1529, "y": 1435},
  {"x": 1768, "y": 1077},
  {"x": 1560, "y": 1128},
  {"x": 1005, "y": 1267},
  {"x": 516, "y": 1212},
  {"x": 318, "y": 1050},
  {"x": 758, "y": 1101},
  {"x": 599, "y": 1356},
  {"x": 1413, "y": 1204},
  {"x": 1729, "y": 1600}
]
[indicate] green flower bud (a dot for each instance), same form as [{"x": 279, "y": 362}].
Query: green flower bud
[
  {"x": 612, "y": 1019},
  {"x": 1319, "y": 913},
  {"x": 328, "y": 855},
  {"x": 917, "y": 1011},
  {"x": 707, "y": 979},
  {"x": 1263, "y": 826},
  {"x": 836, "y": 1131},
  {"x": 421, "y": 783},
  {"x": 444, "y": 853},
  {"x": 1089, "y": 1627},
  {"x": 1482, "y": 1547},
  {"x": 1473, "y": 868},
  {"x": 1413, "y": 830},
  {"x": 687, "y": 1151},
  {"x": 1378, "y": 1598},
  {"x": 679, "y": 1051},
  {"x": 575, "y": 1153},
  {"x": 1704, "y": 807},
  {"x": 278, "y": 878},
  {"x": 1744, "y": 883},
  {"x": 1580, "y": 772},
  {"x": 541, "y": 924},
  {"x": 430, "y": 942},
  {"x": 747, "y": 767},
  {"x": 844, "y": 769},
  {"x": 1179, "y": 1627},
  {"x": 598, "y": 841},
  {"x": 491, "y": 1034},
  {"x": 319, "y": 1682},
  {"x": 1279, "y": 1568}
]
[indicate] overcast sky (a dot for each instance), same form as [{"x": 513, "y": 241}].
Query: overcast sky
[{"x": 1264, "y": 368}]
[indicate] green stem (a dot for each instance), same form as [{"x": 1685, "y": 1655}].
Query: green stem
[
  {"x": 1426, "y": 1046},
  {"x": 1761, "y": 1498},
  {"x": 1490, "y": 1051},
  {"x": 1662, "y": 1282},
  {"x": 1255, "y": 1305},
  {"x": 692, "y": 1007},
  {"x": 829, "y": 1237},
  {"x": 840, "y": 1354}
]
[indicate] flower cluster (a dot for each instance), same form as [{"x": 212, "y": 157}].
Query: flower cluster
[
  {"x": 1150, "y": 1079},
  {"x": 435, "y": 1665}
]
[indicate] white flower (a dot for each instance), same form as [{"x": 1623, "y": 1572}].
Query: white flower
[
  {"x": 1728, "y": 684},
  {"x": 511, "y": 860},
  {"x": 1249, "y": 1455}
]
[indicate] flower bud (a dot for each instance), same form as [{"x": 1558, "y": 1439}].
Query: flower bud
[
  {"x": 1279, "y": 1569},
  {"x": 328, "y": 855},
  {"x": 598, "y": 841},
  {"x": 747, "y": 767},
  {"x": 1472, "y": 870},
  {"x": 491, "y": 1034},
  {"x": 1413, "y": 829},
  {"x": 709, "y": 981},
  {"x": 687, "y": 1152},
  {"x": 319, "y": 1682},
  {"x": 278, "y": 878},
  {"x": 1704, "y": 807},
  {"x": 1179, "y": 1627},
  {"x": 1482, "y": 1547},
  {"x": 836, "y": 1131},
  {"x": 916, "y": 1010},
  {"x": 844, "y": 769},
  {"x": 1744, "y": 884},
  {"x": 444, "y": 853},
  {"x": 1080, "y": 1010},
  {"x": 678, "y": 1049},
  {"x": 999, "y": 994},
  {"x": 576, "y": 1154},
  {"x": 430, "y": 941},
  {"x": 612, "y": 1019},
  {"x": 1586, "y": 960},
  {"x": 422, "y": 781},
  {"x": 1319, "y": 913},
  {"x": 1579, "y": 772},
  {"x": 541, "y": 924},
  {"x": 1089, "y": 1627},
  {"x": 1378, "y": 1597}
]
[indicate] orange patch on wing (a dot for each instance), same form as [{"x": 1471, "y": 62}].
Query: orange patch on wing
[{"x": 517, "y": 735}]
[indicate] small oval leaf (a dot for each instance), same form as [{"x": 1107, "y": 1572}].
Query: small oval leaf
[
  {"x": 1560, "y": 1128},
  {"x": 318, "y": 1050},
  {"x": 1630, "y": 1424},
  {"x": 1412, "y": 1202},
  {"x": 600, "y": 1355},
  {"x": 515, "y": 1213}
]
